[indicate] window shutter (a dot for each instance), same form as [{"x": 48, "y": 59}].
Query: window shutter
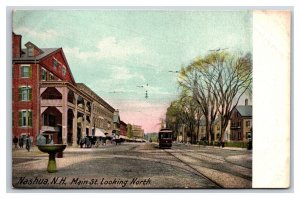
[
  {"x": 30, "y": 93},
  {"x": 29, "y": 118},
  {"x": 20, "y": 118},
  {"x": 30, "y": 71},
  {"x": 21, "y": 71}
]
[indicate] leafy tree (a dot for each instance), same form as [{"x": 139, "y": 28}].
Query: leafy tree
[{"x": 184, "y": 111}]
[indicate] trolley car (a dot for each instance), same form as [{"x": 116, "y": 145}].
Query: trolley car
[{"x": 165, "y": 138}]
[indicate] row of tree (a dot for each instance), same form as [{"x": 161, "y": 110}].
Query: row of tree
[{"x": 211, "y": 87}]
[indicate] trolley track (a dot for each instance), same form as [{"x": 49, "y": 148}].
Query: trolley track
[
  {"x": 196, "y": 171},
  {"x": 218, "y": 159},
  {"x": 241, "y": 175}
]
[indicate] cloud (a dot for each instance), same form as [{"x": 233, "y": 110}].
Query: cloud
[
  {"x": 75, "y": 53},
  {"x": 123, "y": 74},
  {"x": 41, "y": 35},
  {"x": 110, "y": 48}
]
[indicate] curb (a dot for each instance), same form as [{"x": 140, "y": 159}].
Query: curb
[{"x": 225, "y": 148}]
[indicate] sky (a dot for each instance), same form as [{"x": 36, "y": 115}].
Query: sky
[{"x": 121, "y": 54}]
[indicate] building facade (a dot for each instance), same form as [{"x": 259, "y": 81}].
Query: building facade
[
  {"x": 137, "y": 132},
  {"x": 101, "y": 114},
  {"x": 47, "y": 100},
  {"x": 241, "y": 123},
  {"x": 116, "y": 124},
  {"x": 123, "y": 128}
]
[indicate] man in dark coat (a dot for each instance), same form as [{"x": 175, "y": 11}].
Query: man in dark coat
[
  {"x": 15, "y": 141},
  {"x": 28, "y": 142},
  {"x": 21, "y": 142}
]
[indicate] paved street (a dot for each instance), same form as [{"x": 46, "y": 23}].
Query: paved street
[{"x": 135, "y": 165}]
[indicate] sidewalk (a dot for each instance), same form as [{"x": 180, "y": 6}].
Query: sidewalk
[{"x": 225, "y": 148}]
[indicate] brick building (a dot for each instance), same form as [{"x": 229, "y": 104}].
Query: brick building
[
  {"x": 241, "y": 122},
  {"x": 123, "y": 128},
  {"x": 46, "y": 99}
]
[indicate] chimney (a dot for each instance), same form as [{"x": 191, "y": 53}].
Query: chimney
[
  {"x": 246, "y": 102},
  {"x": 16, "y": 45}
]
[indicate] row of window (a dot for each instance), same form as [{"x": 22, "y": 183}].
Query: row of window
[
  {"x": 58, "y": 65},
  {"x": 25, "y": 120},
  {"x": 101, "y": 111},
  {"x": 102, "y": 123},
  {"x": 238, "y": 124},
  {"x": 26, "y": 72},
  {"x": 44, "y": 75}
]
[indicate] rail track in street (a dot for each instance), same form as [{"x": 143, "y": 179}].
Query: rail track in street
[{"x": 196, "y": 171}]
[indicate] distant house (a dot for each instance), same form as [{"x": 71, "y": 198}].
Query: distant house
[
  {"x": 123, "y": 128},
  {"x": 137, "y": 131},
  {"x": 217, "y": 131},
  {"x": 241, "y": 123},
  {"x": 202, "y": 130}
]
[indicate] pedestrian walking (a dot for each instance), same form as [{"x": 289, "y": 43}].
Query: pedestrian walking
[
  {"x": 81, "y": 142},
  {"x": 86, "y": 142},
  {"x": 15, "y": 141},
  {"x": 24, "y": 137},
  {"x": 28, "y": 143},
  {"x": 21, "y": 142}
]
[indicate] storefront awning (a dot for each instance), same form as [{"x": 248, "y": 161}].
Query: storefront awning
[
  {"x": 123, "y": 137},
  {"x": 100, "y": 133},
  {"x": 49, "y": 129}
]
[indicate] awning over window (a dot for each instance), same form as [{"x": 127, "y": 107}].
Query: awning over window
[
  {"x": 123, "y": 137},
  {"x": 100, "y": 133}
]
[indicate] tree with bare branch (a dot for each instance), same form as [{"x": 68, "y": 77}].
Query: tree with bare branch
[{"x": 217, "y": 82}]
